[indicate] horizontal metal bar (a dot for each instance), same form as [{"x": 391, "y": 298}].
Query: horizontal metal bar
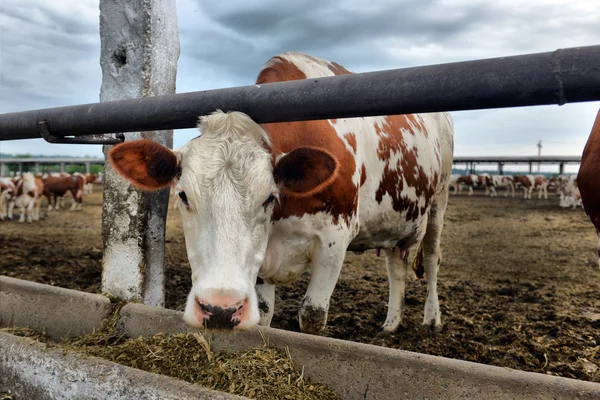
[
  {"x": 518, "y": 159},
  {"x": 559, "y": 77}
]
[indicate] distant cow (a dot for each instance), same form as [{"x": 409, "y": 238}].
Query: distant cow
[
  {"x": 486, "y": 181},
  {"x": 56, "y": 187},
  {"x": 27, "y": 197},
  {"x": 506, "y": 181},
  {"x": 262, "y": 204},
  {"x": 588, "y": 178},
  {"x": 568, "y": 190},
  {"x": 89, "y": 183},
  {"x": 531, "y": 182},
  {"x": 454, "y": 183},
  {"x": 469, "y": 181},
  {"x": 8, "y": 190}
]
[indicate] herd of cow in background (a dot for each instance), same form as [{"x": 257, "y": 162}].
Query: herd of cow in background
[
  {"x": 27, "y": 190},
  {"x": 564, "y": 185}
]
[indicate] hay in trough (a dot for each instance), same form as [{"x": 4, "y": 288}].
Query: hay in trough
[{"x": 260, "y": 372}]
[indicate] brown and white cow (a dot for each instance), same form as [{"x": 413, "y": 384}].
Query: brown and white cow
[
  {"x": 56, "y": 186},
  {"x": 89, "y": 183},
  {"x": 588, "y": 179},
  {"x": 8, "y": 190},
  {"x": 506, "y": 181},
  {"x": 262, "y": 204},
  {"x": 486, "y": 181},
  {"x": 469, "y": 181},
  {"x": 27, "y": 197},
  {"x": 531, "y": 182}
]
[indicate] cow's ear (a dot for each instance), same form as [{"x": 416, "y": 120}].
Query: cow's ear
[
  {"x": 146, "y": 164},
  {"x": 305, "y": 171}
]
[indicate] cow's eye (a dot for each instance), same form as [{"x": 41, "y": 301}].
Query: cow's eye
[
  {"x": 270, "y": 199},
  {"x": 183, "y": 198}
]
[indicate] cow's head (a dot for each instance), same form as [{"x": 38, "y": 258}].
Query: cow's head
[{"x": 228, "y": 182}]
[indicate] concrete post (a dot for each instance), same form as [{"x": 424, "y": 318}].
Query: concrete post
[
  {"x": 530, "y": 167},
  {"x": 500, "y": 168},
  {"x": 139, "y": 54},
  {"x": 561, "y": 168},
  {"x": 62, "y": 167},
  {"x": 20, "y": 168},
  {"x": 2, "y": 169},
  {"x": 37, "y": 167},
  {"x": 87, "y": 167}
]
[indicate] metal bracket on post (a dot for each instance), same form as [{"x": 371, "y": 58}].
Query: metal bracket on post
[{"x": 50, "y": 138}]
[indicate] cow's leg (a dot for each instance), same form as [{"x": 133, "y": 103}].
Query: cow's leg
[
  {"x": 470, "y": 190},
  {"x": 487, "y": 191},
  {"x": 546, "y": 192},
  {"x": 326, "y": 267},
  {"x": 431, "y": 261},
  {"x": 29, "y": 210},
  {"x": 2, "y": 207},
  {"x": 11, "y": 207},
  {"x": 397, "y": 269},
  {"x": 493, "y": 189},
  {"x": 266, "y": 301}
]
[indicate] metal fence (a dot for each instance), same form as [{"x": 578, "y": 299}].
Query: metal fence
[{"x": 563, "y": 76}]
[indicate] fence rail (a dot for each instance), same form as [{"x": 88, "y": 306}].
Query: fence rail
[{"x": 559, "y": 77}]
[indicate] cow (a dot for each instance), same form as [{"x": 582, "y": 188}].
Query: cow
[
  {"x": 262, "y": 204},
  {"x": 485, "y": 180},
  {"x": 469, "y": 181},
  {"x": 56, "y": 186},
  {"x": 89, "y": 183},
  {"x": 454, "y": 183},
  {"x": 27, "y": 197},
  {"x": 587, "y": 178},
  {"x": 531, "y": 182},
  {"x": 506, "y": 181},
  {"x": 8, "y": 190},
  {"x": 568, "y": 191}
]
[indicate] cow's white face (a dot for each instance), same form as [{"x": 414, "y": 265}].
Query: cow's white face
[
  {"x": 227, "y": 191},
  {"x": 227, "y": 187}
]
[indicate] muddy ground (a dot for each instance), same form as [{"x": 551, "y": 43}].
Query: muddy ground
[{"x": 519, "y": 284}]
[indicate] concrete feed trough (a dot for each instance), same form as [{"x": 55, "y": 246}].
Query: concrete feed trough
[{"x": 356, "y": 371}]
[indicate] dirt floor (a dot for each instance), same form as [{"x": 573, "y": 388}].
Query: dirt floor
[{"x": 519, "y": 283}]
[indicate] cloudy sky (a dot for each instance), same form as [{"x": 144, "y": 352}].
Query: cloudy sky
[{"x": 49, "y": 52}]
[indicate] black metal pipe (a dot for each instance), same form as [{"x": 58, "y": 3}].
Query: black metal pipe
[{"x": 559, "y": 77}]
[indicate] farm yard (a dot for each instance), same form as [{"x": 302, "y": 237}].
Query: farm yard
[{"x": 519, "y": 283}]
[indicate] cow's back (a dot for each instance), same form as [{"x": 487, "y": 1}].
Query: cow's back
[{"x": 392, "y": 167}]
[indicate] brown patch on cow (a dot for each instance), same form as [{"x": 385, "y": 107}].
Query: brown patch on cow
[
  {"x": 466, "y": 179},
  {"x": 340, "y": 199},
  {"x": 394, "y": 176},
  {"x": 539, "y": 180},
  {"x": 587, "y": 177},
  {"x": 337, "y": 69},
  {"x": 363, "y": 175},
  {"x": 351, "y": 139},
  {"x": 281, "y": 70},
  {"x": 146, "y": 164},
  {"x": 523, "y": 180}
]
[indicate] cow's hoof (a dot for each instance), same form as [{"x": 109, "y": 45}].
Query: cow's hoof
[
  {"x": 433, "y": 327},
  {"x": 312, "y": 319}
]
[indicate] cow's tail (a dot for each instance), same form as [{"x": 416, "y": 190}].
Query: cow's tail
[{"x": 417, "y": 264}]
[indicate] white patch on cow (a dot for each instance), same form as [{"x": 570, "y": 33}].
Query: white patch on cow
[{"x": 311, "y": 67}]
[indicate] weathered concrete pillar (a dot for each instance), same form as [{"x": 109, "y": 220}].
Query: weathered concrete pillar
[
  {"x": 20, "y": 168},
  {"x": 87, "y": 168},
  {"x": 2, "y": 169},
  {"x": 62, "y": 167},
  {"x": 500, "y": 168},
  {"x": 36, "y": 167},
  {"x": 530, "y": 167},
  {"x": 561, "y": 168},
  {"x": 139, "y": 54}
]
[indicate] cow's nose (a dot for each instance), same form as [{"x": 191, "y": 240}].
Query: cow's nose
[{"x": 226, "y": 315}]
